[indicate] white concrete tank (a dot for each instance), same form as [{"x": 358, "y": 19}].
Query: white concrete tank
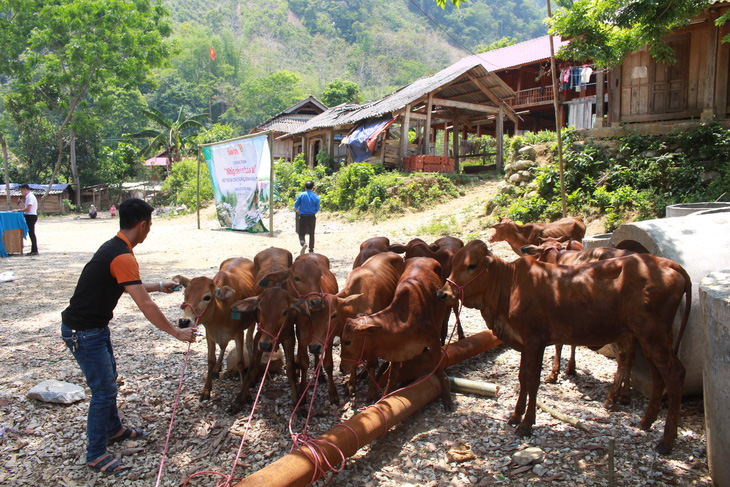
[
  {"x": 595, "y": 241},
  {"x": 715, "y": 307},
  {"x": 684, "y": 209},
  {"x": 700, "y": 244}
]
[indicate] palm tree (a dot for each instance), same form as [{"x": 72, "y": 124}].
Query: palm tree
[{"x": 170, "y": 135}]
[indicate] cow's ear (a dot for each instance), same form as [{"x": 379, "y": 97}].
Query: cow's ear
[
  {"x": 181, "y": 280},
  {"x": 248, "y": 305},
  {"x": 224, "y": 292},
  {"x": 301, "y": 306},
  {"x": 366, "y": 327},
  {"x": 275, "y": 279},
  {"x": 348, "y": 305},
  {"x": 434, "y": 247},
  {"x": 397, "y": 248}
]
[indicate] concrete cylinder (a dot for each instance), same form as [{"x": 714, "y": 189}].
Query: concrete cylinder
[
  {"x": 700, "y": 244},
  {"x": 596, "y": 241},
  {"x": 715, "y": 307},
  {"x": 684, "y": 209}
]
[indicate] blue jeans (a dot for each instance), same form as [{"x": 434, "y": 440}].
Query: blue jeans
[{"x": 92, "y": 349}]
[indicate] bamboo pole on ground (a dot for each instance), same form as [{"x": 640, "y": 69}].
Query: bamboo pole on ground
[{"x": 296, "y": 469}]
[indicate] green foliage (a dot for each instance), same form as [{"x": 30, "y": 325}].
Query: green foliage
[
  {"x": 498, "y": 44},
  {"x": 440, "y": 227},
  {"x": 604, "y": 31},
  {"x": 291, "y": 176},
  {"x": 182, "y": 183},
  {"x": 217, "y": 133},
  {"x": 639, "y": 181},
  {"x": 175, "y": 136},
  {"x": 339, "y": 91}
]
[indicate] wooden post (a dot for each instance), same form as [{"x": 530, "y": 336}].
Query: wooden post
[
  {"x": 304, "y": 149},
  {"x": 197, "y": 192},
  {"x": 427, "y": 135},
  {"x": 600, "y": 95},
  {"x": 709, "y": 109},
  {"x": 455, "y": 141},
  {"x": 446, "y": 140},
  {"x": 271, "y": 184},
  {"x": 500, "y": 138},
  {"x": 404, "y": 128},
  {"x": 331, "y": 143},
  {"x": 558, "y": 116}
]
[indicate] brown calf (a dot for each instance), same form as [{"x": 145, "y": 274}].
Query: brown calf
[
  {"x": 370, "y": 247},
  {"x": 517, "y": 236},
  {"x": 530, "y": 305},
  {"x": 208, "y": 302},
  {"x": 403, "y": 330},
  {"x": 368, "y": 289}
]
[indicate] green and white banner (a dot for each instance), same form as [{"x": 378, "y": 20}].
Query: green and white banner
[{"x": 240, "y": 172}]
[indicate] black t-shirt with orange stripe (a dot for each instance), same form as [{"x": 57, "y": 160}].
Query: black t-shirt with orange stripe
[{"x": 101, "y": 284}]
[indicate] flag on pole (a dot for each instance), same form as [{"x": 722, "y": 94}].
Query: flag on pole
[{"x": 212, "y": 53}]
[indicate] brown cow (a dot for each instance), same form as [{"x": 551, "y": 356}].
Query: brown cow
[
  {"x": 554, "y": 255},
  {"x": 403, "y": 330},
  {"x": 308, "y": 278},
  {"x": 370, "y": 247},
  {"x": 443, "y": 251},
  {"x": 368, "y": 289},
  {"x": 530, "y": 305},
  {"x": 517, "y": 236},
  {"x": 208, "y": 302},
  {"x": 276, "y": 310}
]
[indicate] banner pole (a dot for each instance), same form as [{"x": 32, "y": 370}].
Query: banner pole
[
  {"x": 271, "y": 185},
  {"x": 197, "y": 197}
]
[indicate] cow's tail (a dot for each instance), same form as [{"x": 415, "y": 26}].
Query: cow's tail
[{"x": 687, "y": 307}]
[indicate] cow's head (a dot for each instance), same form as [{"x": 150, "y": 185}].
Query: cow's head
[
  {"x": 467, "y": 266},
  {"x": 501, "y": 228},
  {"x": 302, "y": 279},
  {"x": 199, "y": 298},
  {"x": 276, "y": 310},
  {"x": 329, "y": 320},
  {"x": 352, "y": 348}
]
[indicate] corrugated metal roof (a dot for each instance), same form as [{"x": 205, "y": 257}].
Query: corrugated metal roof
[
  {"x": 519, "y": 54},
  {"x": 286, "y": 123},
  {"x": 36, "y": 189},
  {"x": 448, "y": 83}
]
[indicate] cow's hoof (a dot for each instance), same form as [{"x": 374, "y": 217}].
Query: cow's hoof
[
  {"x": 514, "y": 420},
  {"x": 234, "y": 409},
  {"x": 449, "y": 406},
  {"x": 645, "y": 424},
  {"x": 523, "y": 431},
  {"x": 610, "y": 406},
  {"x": 625, "y": 400},
  {"x": 205, "y": 396},
  {"x": 335, "y": 400},
  {"x": 663, "y": 449},
  {"x": 551, "y": 379},
  {"x": 570, "y": 372}
]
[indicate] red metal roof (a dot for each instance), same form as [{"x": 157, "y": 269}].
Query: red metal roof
[{"x": 526, "y": 52}]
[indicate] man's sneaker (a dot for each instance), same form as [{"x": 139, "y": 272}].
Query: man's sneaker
[
  {"x": 304, "y": 249},
  {"x": 33, "y": 253}
]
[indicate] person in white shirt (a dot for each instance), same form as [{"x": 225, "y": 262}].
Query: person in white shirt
[{"x": 30, "y": 211}]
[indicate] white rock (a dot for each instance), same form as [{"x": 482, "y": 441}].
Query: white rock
[
  {"x": 529, "y": 455},
  {"x": 58, "y": 392}
]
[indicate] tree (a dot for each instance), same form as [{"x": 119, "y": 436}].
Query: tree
[
  {"x": 81, "y": 47},
  {"x": 605, "y": 31},
  {"x": 171, "y": 135},
  {"x": 498, "y": 44},
  {"x": 339, "y": 91}
]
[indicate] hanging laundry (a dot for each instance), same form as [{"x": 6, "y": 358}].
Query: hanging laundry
[
  {"x": 575, "y": 78},
  {"x": 585, "y": 74}
]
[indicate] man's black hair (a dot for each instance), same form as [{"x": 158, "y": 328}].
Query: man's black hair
[
  {"x": 309, "y": 185},
  {"x": 23, "y": 186},
  {"x": 132, "y": 211}
]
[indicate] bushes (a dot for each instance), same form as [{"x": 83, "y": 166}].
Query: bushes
[
  {"x": 366, "y": 189},
  {"x": 182, "y": 183}
]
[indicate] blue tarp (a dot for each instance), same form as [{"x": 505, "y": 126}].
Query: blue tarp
[
  {"x": 361, "y": 140},
  {"x": 11, "y": 221}
]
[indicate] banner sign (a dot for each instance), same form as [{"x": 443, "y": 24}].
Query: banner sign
[{"x": 240, "y": 173}]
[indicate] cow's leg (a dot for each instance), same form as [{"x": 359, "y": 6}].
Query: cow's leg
[
  {"x": 253, "y": 371},
  {"x": 241, "y": 364},
  {"x": 666, "y": 369},
  {"x": 531, "y": 363},
  {"x": 249, "y": 345},
  {"x": 328, "y": 367},
  {"x": 553, "y": 377},
  {"x": 445, "y": 389},
  {"x": 219, "y": 361},
  {"x": 571, "y": 363},
  {"x": 629, "y": 351},
  {"x": 303, "y": 363},
  {"x": 211, "y": 368},
  {"x": 624, "y": 352},
  {"x": 373, "y": 388},
  {"x": 291, "y": 372},
  {"x": 393, "y": 377}
]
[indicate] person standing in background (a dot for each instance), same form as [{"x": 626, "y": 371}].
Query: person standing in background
[
  {"x": 30, "y": 212},
  {"x": 306, "y": 206}
]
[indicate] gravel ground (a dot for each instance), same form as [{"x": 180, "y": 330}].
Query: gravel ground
[{"x": 44, "y": 443}]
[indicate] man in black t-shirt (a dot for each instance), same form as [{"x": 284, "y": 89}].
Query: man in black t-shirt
[{"x": 85, "y": 327}]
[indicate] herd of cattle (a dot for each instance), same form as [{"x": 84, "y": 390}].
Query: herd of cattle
[{"x": 397, "y": 300}]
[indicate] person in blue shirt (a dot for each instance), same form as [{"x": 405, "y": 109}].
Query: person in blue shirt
[{"x": 306, "y": 206}]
